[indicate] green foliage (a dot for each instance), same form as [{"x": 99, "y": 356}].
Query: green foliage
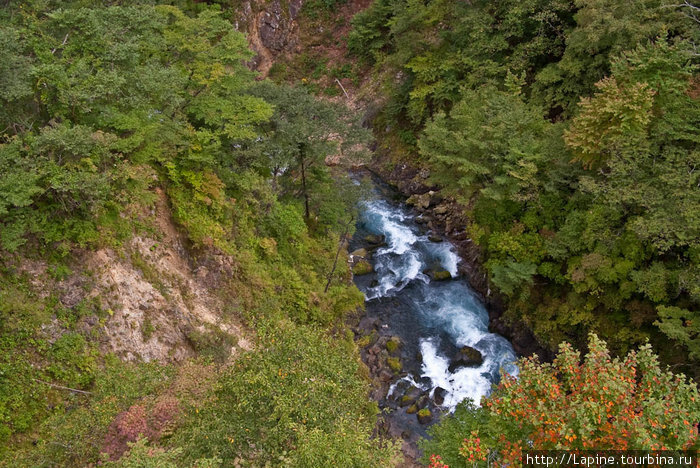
[
  {"x": 298, "y": 402},
  {"x": 587, "y": 220},
  {"x": 681, "y": 325},
  {"x": 74, "y": 433},
  {"x": 105, "y": 110},
  {"x": 212, "y": 342},
  {"x": 301, "y": 134},
  {"x": 122, "y": 86}
]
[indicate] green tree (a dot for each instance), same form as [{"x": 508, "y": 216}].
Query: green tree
[
  {"x": 302, "y": 133},
  {"x": 299, "y": 404}
]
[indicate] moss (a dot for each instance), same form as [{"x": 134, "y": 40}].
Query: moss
[
  {"x": 394, "y": 363},
  {"x": 441, "y": 275},
  {"x": 362, "y": 267},
  {"x": 412, "y": 409},
  {"x": 147, "y": 328},
  {"x": 393, "y": 344},
  {"x": 424, "y": 416}
]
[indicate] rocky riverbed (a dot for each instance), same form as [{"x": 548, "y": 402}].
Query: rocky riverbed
[{"x": 425, "y": 335}]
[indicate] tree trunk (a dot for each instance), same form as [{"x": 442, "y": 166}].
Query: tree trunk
[
  {"x": 303, "y": 181},
  {"x": 337, "y": 253}
]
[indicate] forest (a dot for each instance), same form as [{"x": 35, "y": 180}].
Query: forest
[{"x": 174, "y": 289}]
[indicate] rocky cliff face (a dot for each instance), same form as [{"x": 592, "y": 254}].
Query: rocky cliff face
[
  {"x": 159, "y": 304},
  {"x": 271, "y": 28}
]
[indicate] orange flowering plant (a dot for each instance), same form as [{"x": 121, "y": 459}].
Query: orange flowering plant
[{"x": 596, "y": 403}]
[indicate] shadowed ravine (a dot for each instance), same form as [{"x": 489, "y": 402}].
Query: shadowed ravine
[{"x": 407, "y": 296}]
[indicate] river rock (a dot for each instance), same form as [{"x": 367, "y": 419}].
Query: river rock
[
  {"x": 440, "y": 209},
  {"x": 439, "y": 275},
  {"x": 423, "y": 401},
  {"x": 395, "y": 364},
  {"x": 434, "y": 238},
  {"x": 467, "y": 357},
  {"x": 393, "y": 344},
  {"x": 400, "y": 389},
  {"x": 363, "y": 253},
  {"x": 410, "y": 397},
  {"x": 412, "y": 409},
  {"x": 424, "y": 416},
  {"x": 422, "y": 220},
  {"x": 385, "y": 375},
  {"x": 421, "y": 201},
  {"x": 439, "y": 396},
  {"x": 375, "y": 239},
  {"x": 362, "y": 267}
]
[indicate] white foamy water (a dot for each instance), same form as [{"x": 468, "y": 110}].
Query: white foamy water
[{"x": 466, "y": 383}]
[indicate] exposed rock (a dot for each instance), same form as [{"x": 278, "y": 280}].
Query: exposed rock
[
  {"x": 395, "y": 364},
  {"x": 158, "y": 290},
  {"x": 393, "y": 344},
  {"x": 440, "y": 209},
  {"x": 419, "y": 201},
  {"x": 362, "y": 267},
  {"x": 434, "y": 238},
  {"x": 422, "y": 220},
  {"x": 400, "y": 389},
  {"x": 439, "y": 395},
  {"x": 375, "y": 239},
  {"x": 424, "y": 416},
  {"x": 439, "y": 275},
  {"x": 275, "y": 27},
  {"x": 359, "y": 253},
  {"x": 410, "y": 397},
  {"x": 467, "y": 357}
]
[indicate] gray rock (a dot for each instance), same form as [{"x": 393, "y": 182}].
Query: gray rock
[
  {"x": 375, "y": 239},
  {"x": 467, "y": 357},
  {"x": 439, "y": 395}
]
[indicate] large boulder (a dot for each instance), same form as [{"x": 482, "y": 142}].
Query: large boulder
[
  {"x": 439, "y": 274},
  {"x": 393, "y": 344},
  {"x": 362, "y": 267},
  {"x": 440, "y": 209},
  {"x": 439, "y": 396},
  {"x": 466, "y": 357},
  {"x": 375, "y": 239},
  {"x": 421, "y": 201},
  {"x": 359, "y": 253},
  {"x": 424, "y": 416},
  {"x": 410, "y": 397}
]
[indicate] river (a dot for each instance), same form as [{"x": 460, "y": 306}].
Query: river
[{"x": 432, "y": 319}]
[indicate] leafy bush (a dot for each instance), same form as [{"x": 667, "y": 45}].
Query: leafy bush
[
  {"x": 595, "y": 403},
  {"x": 296, "y": 402}
]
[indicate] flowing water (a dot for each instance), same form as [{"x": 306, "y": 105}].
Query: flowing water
[{"x": 433, "y": 319}]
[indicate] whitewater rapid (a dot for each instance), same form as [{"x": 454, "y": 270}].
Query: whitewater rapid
[{"x": 434, "y": 315}]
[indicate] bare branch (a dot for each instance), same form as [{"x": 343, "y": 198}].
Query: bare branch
[
  {"x": 61, "y": 387},
  {"x": 65, "y": 39}
]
